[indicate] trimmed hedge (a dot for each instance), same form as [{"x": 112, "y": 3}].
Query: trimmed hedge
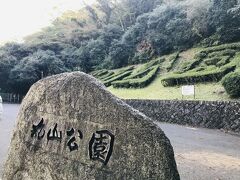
[
  {"x": 173, "y": 59},
  {"x": 99, "y": 73},
  {"x": 201, "y": 76},
  {"x": 224, "y": 60},
  {"x": 212, "y": 61},
  {"x": 147, "y": 66},
  {"x": 139, "y": 82},
  {"x": 231, "y": 83},
  {"x": 117, "y": 73},
  {"x": 226, "y": 52},
  {"x": 235, "y": 46},
  {"x": 115, "y": 78},
  {"x": 110, "y": 73},
  {"x": 138, "y": 75}
]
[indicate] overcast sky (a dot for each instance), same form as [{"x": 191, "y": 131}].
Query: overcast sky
[{"x": 19, "y": 18}]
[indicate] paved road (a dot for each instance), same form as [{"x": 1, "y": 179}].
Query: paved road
[
  {"x": 201, "y": 154},
  {"x": 204, "y": 154},
  {"x": 7, "y": 122}
]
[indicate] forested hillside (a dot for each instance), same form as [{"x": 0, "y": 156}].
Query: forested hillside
[{"x": 116, "y": 33}]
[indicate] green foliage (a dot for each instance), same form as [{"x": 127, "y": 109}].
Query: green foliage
[
  {"x": 225, "y": 52},
  {"x": 231, "y": 83},
  {"x": 117, "y": 73},
  {"x": 208, "y": 75},
  {"x": 99, "y": 73},
  {"x": 115, "y": 78},
  {"x": 137, "y": 82},
  {"x": 173, "y": 58},
  {"x": 212, "y": 61},
  {"x": 110, "y": 73},
  {"x": 107, "y": 36},
  {"x": 224, "y": 60}
]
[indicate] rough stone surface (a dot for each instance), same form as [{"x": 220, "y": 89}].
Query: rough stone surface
[
  {"x": 208, "y": 114},
  {"x": 76, "y": 100}
]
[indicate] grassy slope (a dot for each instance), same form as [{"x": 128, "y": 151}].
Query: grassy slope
[
  {"x": 204, "y": 91},
  {"x": 207, "y": 91}
]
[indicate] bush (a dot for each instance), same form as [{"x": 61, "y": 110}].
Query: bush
[
  {"x": 115, "y": 78},
  {"x": 201, "y": 76},
  {"x": 148, "y": 65},
  {"x": 224, "y": 60},
  {"x": 235, "y": 46},
  {"x": 110, "y": 73},
  {"x": 139, "y": 74},
  {"x": 118, "y": 72},
  {"x": 173, "y": 59},
  {"x": 231, "y": 83},
  {"x": 226, "y": 52},
  {"x": 212, "y": 61},
  {"x": 139, "y": 82},
  {"x": 99, "y": 73}
]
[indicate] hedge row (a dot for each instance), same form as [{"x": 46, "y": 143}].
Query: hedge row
[
  {"x": 148, "y": 65},
  {"x": 224, "y": 60},
  {"x": 212, "y": 61},
  {"x": 117, "y": 73},
  {"x": 226, "y": 52},
  {"x": 235, "y": 46},
  {"x": 139, "y": 82},
  {"x": 201, "y": 76},
  {"x": 173, "y": 59},
  {"x": 115, "y": 78},
  {"x": 99, "y": 73},
  {"x": 231, "y": 83},
  {"x": 110, "y": 73}
]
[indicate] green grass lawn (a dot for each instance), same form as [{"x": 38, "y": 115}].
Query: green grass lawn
[{"x": 207, "y": 91}]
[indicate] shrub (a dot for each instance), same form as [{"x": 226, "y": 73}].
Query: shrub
[
  {"x": 118, "y": 72},
  {"x": 99, "y": 73},
  {"x": 192, "y": 65},
  {"x": 224, "y": 60},
  {"x": 212, "y": 61},
  {"x": 115, "y": 78},
  {"x": 139, "y": 82},
  {"x": 201, "y": 76},
  {"x": 226, "y": 52},
  {"x": 173, "y": 59},
  {"x": 139, "y": 74},
  {"x": 148, "y": 65},
  {"x": 110, "y": 73},
  {"x": 231, "y": 83},
  {"x": 235, "y": 46}
]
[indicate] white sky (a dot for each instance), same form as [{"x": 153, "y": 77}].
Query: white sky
[{"x": 19, "y": 18}]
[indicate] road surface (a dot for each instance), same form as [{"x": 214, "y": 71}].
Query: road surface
[{"x": 201, "y": 154}]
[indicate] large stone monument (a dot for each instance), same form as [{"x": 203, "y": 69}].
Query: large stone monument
[{"x": 71, "y": 128}]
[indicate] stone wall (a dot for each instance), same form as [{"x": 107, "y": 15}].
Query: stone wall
[{"x": 207, "y": 114}]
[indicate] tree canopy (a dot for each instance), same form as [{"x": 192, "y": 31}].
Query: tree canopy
[{"x": 116, "y": 33}]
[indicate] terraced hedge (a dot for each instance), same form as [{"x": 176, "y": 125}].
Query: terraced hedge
[
  {"x": 115, "y": 78},
  {"x": 173, "y": 59},
  {"x": 235, "y": 46},
  {"x": 99, "y": 73},
  {"x": 201, "y": 76},
  {"x": 118, "y": 73},
  {"x": 138, "y": 82}
]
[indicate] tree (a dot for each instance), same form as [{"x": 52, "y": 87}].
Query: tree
[{"x": 32, "y": 68}]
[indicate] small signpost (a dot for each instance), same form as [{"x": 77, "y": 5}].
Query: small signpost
[{"x": 188, "y": 91}]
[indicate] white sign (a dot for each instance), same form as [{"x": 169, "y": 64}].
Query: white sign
[{"x": 188, "y": 90}]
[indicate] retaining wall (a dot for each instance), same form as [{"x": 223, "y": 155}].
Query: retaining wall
[{"x": 207, "y": 114}]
